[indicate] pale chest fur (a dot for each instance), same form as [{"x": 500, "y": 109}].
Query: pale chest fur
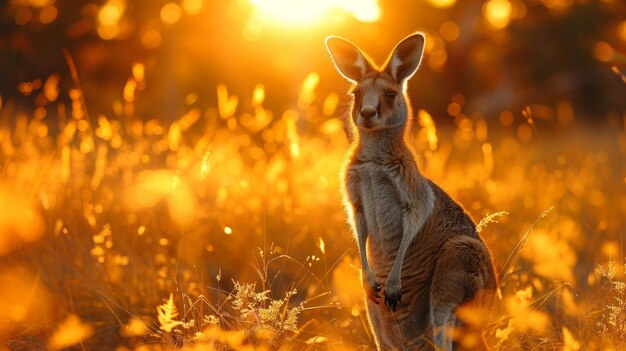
[
  {"x": 381, "y": 193},
  {"x": 384, "y": 203},
  {"x": 381, "y": 203}
]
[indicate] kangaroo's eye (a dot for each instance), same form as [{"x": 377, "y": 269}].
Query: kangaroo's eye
[{"x": 390, "y": 94}]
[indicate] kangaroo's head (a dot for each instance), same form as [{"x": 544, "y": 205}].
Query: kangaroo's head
[{"x": 379, "y": 93}]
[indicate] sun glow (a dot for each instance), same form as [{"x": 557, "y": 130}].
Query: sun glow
[{"x": 304, "y": 13}]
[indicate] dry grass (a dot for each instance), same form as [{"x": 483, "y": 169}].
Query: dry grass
[{"x": 223, "y": 228}]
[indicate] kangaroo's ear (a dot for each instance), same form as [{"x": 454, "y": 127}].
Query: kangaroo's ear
[
  {"x": 348, "y": 59},
  {"x": 406, "y": 57}
]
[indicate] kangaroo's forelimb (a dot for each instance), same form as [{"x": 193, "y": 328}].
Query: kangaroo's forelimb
[
  {"x": 361, "y": 232},
  {"x": 418, "y": 202}
]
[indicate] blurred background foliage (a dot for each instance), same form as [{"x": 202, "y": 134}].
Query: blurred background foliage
[{"x": 499, "y": 54}]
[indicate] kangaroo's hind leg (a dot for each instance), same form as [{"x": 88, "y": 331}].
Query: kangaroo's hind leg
[
  {"x": 373, "y": 317},
  {"x": 463, "y": 269}
]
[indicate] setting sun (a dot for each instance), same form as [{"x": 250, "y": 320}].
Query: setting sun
[{"x": 303, "y": 13}]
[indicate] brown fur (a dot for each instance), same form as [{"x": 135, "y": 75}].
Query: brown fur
[{"x": 417, "y": 245}]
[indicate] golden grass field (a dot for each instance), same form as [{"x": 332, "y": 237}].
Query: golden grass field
[{"x": 224, "y": 228}]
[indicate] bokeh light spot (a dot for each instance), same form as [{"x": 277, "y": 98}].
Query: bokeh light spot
[
  {"x": 171, "y": 13},
  {"x": 151, "y": 39},
  {"x": 192, "y": 7},
  {"x": 621, "y": 29},
  {"x": 449, "y": 31},
  {"x": 48, "y": 14},
  {"x": 506, "y": 118},
  {"x": 603, "y": 51},
  {"x": 111, "y": 13},
  {"x": 498, "y": 13},
  {"x": 23, "y": 16}
]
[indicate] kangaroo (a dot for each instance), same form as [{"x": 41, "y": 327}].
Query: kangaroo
[{"x": 417, "y": 245}]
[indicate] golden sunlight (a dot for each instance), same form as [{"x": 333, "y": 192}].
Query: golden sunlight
[
  {"x": 302, "y": 13},
  {"x": 442, "y": 4},
  {"x": 180, "y": 175}
]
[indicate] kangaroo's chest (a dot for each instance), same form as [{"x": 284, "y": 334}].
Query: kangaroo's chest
[{"x": 381, "y": 204}]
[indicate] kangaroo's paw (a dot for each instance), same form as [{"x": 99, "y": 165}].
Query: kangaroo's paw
[
  {"x": 393, "y": 295},
  {"x": 372, "y": 292},
  {"x": 372, "y": 287},
  {"x": 439, "y": 338}
]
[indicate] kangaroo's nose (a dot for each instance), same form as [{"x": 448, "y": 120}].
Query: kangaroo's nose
[{"x": 368, "y": 111}]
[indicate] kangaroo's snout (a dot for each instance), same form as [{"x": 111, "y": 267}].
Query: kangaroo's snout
[{"x": 368, "y": 112}]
